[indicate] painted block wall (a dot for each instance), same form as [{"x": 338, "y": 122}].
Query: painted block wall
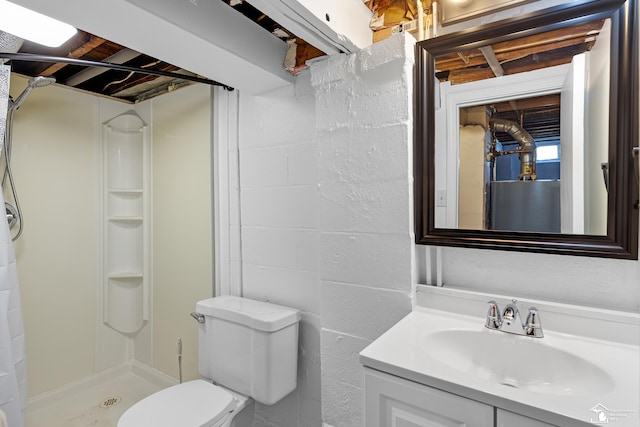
[
  {"x": 364, "y": 134},
  {"x": 279, "y": 229},
  {"x": 325, "y": 192}
]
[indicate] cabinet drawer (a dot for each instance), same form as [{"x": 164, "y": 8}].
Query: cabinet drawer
[
  {"x": 509, "y": 419},
  {"x": 394, "y": 402}
]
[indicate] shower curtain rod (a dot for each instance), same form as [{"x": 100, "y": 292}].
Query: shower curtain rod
[{"x": 30, "y": 57}]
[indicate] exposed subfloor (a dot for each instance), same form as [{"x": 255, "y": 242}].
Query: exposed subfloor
[{"x": 99, "y": 405}]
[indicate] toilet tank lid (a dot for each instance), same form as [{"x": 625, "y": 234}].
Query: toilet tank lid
[{"x": 259, "y": 315}]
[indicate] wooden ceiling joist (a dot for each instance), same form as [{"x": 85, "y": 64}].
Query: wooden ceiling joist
[
  {"x": 545, "y": 101},
  {"x": 524, "y": 54},
  {"x": 517, "y": 65},
  {"x": 89, "y": 46}
]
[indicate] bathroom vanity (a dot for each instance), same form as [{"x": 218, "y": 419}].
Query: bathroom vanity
[{"x": 443, "y": 367}]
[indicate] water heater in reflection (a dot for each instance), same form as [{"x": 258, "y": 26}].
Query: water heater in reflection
[{"x": 525, "y": 206}]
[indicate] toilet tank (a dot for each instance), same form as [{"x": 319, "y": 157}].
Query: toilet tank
[{"x": 249, "y": 346}]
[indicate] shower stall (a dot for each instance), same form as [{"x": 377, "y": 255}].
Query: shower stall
[
  {"x": 14, "y": 213},
  {"x": 92, "y": 318}
]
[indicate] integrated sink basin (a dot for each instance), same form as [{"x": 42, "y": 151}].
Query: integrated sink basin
[
  {"x": 518, "y": 362},
  {"x": 586, "y": 360}
]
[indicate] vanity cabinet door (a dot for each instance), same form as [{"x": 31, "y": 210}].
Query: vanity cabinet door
[
  {"x": 394, "y": 402},
  {"x": 509, "y": 419}
]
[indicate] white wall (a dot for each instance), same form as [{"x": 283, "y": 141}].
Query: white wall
[
  {"x": 280, "y": 238},
  {"x": 594, "y": 282},
  {"x": 326, "y": 218},
  {"x": 52, "y": 164},
  {"x": 572, "y": 147},
  {"x": 363, "y": 126},
  {"x": 597, "y": 112},
  {"x": 182, "y": 223},
  {"x": 472, "y": 180}
]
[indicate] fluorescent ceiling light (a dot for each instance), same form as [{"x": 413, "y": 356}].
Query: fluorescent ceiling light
[{"x": 33, "y": 26}]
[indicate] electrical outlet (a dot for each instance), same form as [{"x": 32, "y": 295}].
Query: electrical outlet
[{"x": 441, "y": 198}]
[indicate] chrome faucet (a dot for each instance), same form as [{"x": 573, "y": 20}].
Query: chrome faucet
[{"x": 511, "y": 322}]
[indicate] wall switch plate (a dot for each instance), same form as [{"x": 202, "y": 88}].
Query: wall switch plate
[{"x": 441, "y": 198}]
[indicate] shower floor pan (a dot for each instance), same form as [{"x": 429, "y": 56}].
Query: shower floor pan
[{"x": 98, "y": 401}]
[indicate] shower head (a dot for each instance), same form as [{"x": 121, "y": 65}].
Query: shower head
[
  {"x": 41, "y": 81},
  {"x": 38, "y": 81}
]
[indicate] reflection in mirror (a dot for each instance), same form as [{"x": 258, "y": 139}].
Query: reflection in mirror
[
  {"x": 524, "y": 133},
  {"x": 521, "y": 159}
]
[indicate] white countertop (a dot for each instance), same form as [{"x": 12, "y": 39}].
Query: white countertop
[{"x": 405, "y": 351}]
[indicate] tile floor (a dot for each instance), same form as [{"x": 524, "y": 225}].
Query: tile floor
[{"x": 98, "y": 406}]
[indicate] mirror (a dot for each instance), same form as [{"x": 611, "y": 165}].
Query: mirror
[{"x": 524, "y": 133}]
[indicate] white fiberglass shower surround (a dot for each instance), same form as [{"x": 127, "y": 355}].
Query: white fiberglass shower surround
[
  {"x": 12, "y": 348},
  {"x": 108, "y": 286}
]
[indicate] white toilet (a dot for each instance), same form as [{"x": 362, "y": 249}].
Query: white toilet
[{"x": 248, "y": 348}]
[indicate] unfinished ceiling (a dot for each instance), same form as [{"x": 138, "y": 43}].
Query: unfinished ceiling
[
  {"x": 540, "y": 116},
  {"x": 516, "y": 56},
  {"x": 129, "y": 86},
  {"x": 124, "y": 86},
  {"x": 520, "y": 55}
]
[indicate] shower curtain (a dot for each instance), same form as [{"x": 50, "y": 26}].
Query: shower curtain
[{"x": 13, "y": 391}]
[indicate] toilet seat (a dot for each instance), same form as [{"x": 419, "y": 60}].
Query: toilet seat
[{"x": 192, "y": 404}]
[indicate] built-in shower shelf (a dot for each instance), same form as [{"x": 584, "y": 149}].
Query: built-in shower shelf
[
  {"x": 126, "y": 226},
  {"x": 126, "y": 218},
  {"x": 125, "y": 191},
  {"x": 125, "y": 131},
  {"x": 124, "y": 275}
]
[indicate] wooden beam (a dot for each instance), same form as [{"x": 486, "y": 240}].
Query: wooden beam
[
  {"x": 586, "y": 31},
  {"x": 518, "y": 48},
  {"x": 93, "y": 42},
  {"x": 476, "y": 58},
  {"x": 519, "y": 65},
  {"x": 552, "y": 100}
]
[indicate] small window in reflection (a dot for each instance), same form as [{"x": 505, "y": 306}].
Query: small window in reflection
[{"x": 548, "y": 153}]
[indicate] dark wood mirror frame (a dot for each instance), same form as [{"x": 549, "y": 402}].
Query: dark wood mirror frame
[{"x": 621, "y": 240}]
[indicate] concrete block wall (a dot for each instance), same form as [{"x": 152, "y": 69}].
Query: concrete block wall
[
  {"x": 364, "y": 137},
  {"x": 279, "y": 230},
  {"x": 592, "y": 282},
  {"x": 326, "y": 218}
]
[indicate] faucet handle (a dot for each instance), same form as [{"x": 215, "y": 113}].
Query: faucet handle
[
  {"x": 533, "y": 326},
  {"x": 493, "y": 316}
]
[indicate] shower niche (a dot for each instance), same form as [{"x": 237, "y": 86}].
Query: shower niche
[{"x": 126, "y": 226}]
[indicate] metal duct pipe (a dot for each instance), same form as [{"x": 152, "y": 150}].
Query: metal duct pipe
[
  {"x": 492, "y": 60},
  {"x": 436, "y": 18},
  {"x": 527, "y": 146}
]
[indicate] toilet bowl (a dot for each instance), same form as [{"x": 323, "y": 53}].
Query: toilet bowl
[
  {"x": 194, "y": 403},
  {"x": 247, "y": 352}
]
